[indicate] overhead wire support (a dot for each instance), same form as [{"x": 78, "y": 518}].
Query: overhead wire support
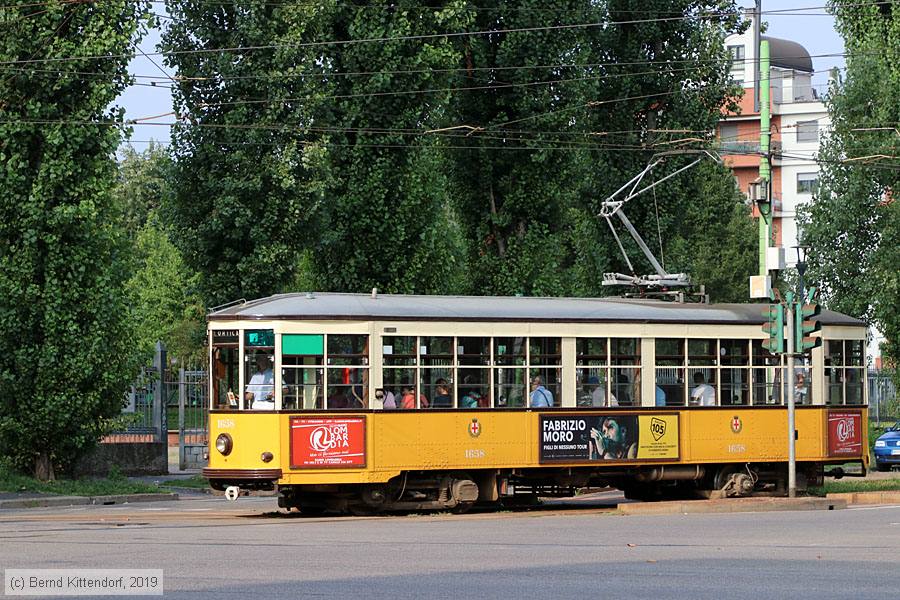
[{"x": 613, "y": 206}]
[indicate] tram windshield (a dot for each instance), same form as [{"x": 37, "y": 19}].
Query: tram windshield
[{"x": 259, "y": 361}]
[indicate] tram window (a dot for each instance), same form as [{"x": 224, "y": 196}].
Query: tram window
[
  {"x": 591, "y": 351},
  {"x": 836, "y": 352},
  {"x": 761, "y": 356},
  {"x": 509, "y": 351},
  {"x": 436, "y": 351},
  {"x": 474, "y": 388},
  {"x": 592, "y": 372},
  {"x": 702, "y": 352},
  {"x": 545, "y": 351},
  {"x": 348, "y": 349},
  {"x": 399, "y": 351},
  {"x": 348, "y": 388},
  {"x": 545, "y": 387},
  {"x": 703, "y": 384},
  {"x": 473, "y": 350},
  {"x": 854, "y": 353},
  {"x": 735, "y": 386},
  {"x": 844, "y": 372},
  {"x": 626, "y": 386},
  {"x": 592, "y": 385},
  {"x": 670, "y": 360},
  {"x": 401, "y": 384},
  {"x": 767, "y": 386},
  {"x": 436, "y": 384},
  {"x": 735, "y": 352},
  {"x": 259, "y": 390},
  {"x": 301, "y": 388},
  {"x": 625, "y": 351},
  {"x": 225, "y": 377},
  {"x": 510, "y": 387}
]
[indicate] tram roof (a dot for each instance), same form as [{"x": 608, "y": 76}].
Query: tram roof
[{"x": 333, "y": 306}]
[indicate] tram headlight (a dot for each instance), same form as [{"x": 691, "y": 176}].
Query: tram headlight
[{"x": 224, "y": 444}]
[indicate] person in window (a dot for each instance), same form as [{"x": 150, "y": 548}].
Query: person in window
[
  {"x": 800, "y": 389},
  {"x": 541, "y": 397},
  {"x": 660, "y": 396},
  {"x": 703, "y": 394},
  {"x": 408, "y": 398},
  {"x": 472, "y": 398},
  {"x": 389, "y": 402},
  {"x": 598, "y": 394},
  {"x": 260, "y": 392},
  {"x": 442, "y": 398}
]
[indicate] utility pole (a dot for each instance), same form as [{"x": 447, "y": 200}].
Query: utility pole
[
  {"x": 765, "y": 172},
  {"x": 792, "y": 427}
]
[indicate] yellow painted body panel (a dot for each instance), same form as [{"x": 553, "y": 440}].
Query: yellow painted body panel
[{"x": 399, "y": 441}]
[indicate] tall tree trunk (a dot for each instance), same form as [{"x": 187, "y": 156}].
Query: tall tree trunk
[{"x": 43, "y": 467}]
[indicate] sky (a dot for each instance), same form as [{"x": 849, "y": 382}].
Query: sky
[{"x": 813, "y": 29}]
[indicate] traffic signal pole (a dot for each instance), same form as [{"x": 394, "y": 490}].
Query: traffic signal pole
[{"x": 792, "y": 436}]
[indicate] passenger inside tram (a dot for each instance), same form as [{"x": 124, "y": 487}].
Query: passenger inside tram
[{"x": 260, "y": 391}]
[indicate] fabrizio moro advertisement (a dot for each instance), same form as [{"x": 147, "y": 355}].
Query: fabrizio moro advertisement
[
  {"x": 608, "y": 437},
  {"x": 328, "y": 442}
]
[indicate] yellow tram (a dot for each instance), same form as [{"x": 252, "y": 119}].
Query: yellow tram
[{"x": 389, "y": 402}]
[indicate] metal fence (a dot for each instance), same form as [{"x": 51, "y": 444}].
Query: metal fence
[
  {"x": 166, "y": 401},
  {"x": 187, "y": 402},
  {"x": 883, "y": 402}
]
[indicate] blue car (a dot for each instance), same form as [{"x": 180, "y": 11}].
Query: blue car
[{"x": 887, "y": 448}]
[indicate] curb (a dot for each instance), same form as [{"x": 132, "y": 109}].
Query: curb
[
  {"x": 867, "y": 497},
  {"x": 733, "y": 505},
  {"x": 53, "y": 501}
]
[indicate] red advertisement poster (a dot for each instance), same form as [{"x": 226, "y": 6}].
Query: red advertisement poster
[
  {"x": 328, "y": 442},
  {"x": 845, "y": 433}
]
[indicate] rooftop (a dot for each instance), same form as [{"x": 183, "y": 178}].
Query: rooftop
[{"x": 332, "y": 306}]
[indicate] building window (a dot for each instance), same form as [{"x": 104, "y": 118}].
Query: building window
[
  {"x": 807, "y": 183},
  {"x": 737, "y": 61},
  {"x": 807, "y": 131}
]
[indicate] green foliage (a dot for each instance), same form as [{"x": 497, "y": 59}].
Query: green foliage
[
  {"x": 164, "y": 297},
  {"x": 715, "y": 240},
  {"x": 442, "y": 164},
  {"x": 853, "y": 224},
  {"x": 116, "y": 483},
  {"x": 64, "y": 359},
  {"x": 547, "y": 154},
  {"x": 247, "y": 176}
]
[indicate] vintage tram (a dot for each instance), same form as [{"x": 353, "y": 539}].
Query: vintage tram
[{"x": 376, "y": 402}]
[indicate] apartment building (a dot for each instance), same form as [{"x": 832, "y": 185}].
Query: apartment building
[{"x": 798, "y": 120}]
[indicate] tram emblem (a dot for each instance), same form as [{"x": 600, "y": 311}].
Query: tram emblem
[
  {"x": 736, "y": 424},
  {"x": 474, "y": 428}
]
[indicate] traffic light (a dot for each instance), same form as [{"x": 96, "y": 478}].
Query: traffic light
[
  {"x": 803, "y": 326},
  {"x": 775, "y": 328}
]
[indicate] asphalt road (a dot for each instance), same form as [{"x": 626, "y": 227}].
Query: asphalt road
[{"x": 210, "y": 549}]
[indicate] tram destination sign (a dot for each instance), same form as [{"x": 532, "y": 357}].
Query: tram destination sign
[
  {"x": 593, "y": 437},
  {"x": 328, "y": 442},
  {"x": 225, "y": 336}
]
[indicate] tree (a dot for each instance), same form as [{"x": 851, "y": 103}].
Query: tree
[
  {"x": 64, "y": 356},
  {"x": 247, "y": 173},
  {"x": 574, "y": 113},
  {"x": 389, "y": 223},
  {"x": 853, "y": 223},
  {"x": 163, "y": 292}
]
